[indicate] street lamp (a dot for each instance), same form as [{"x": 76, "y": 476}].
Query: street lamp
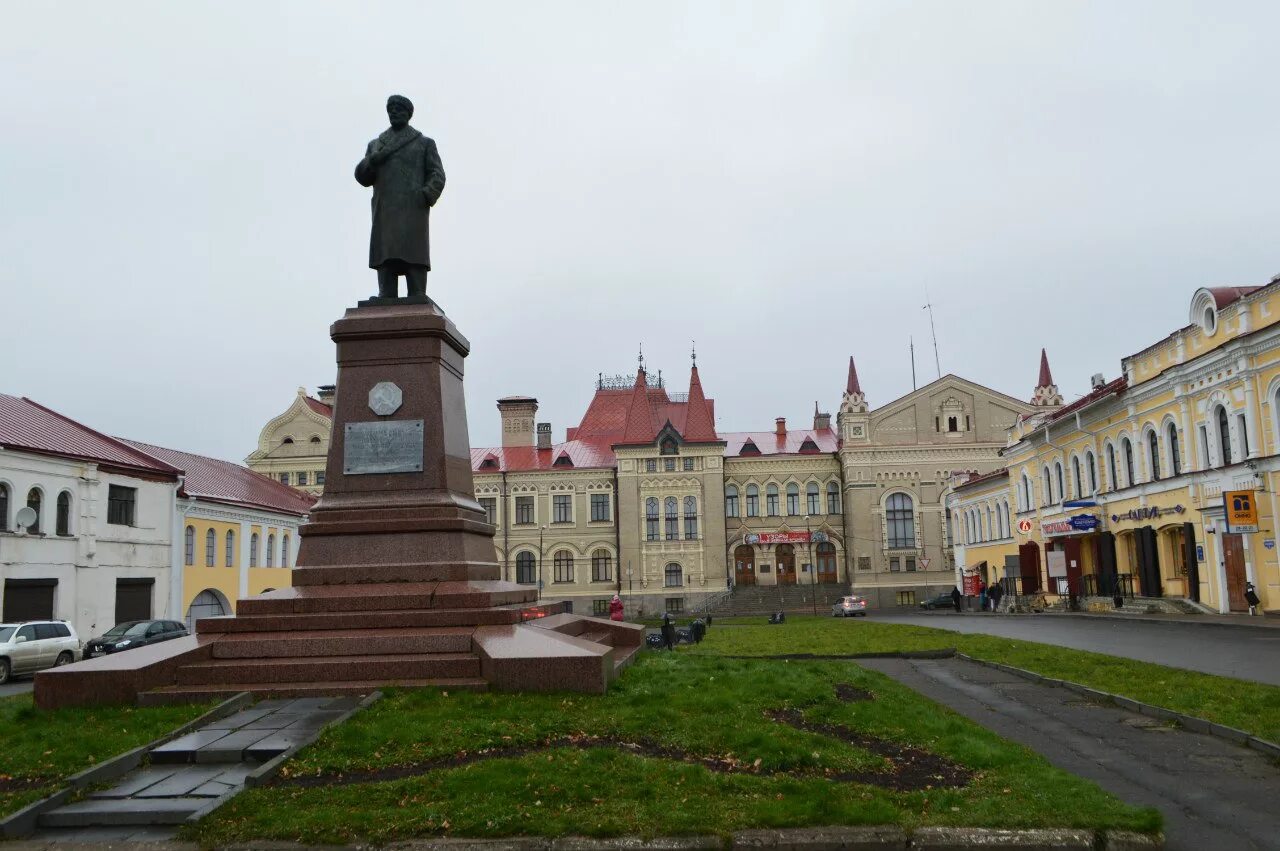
[
  {"x": 813, "y": 579},
  {"x": 541, "y": 554}
]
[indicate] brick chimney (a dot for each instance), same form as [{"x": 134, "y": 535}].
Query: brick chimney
[
  {"x": 780, "y": 427},
  {"x": 326, "y": 392},
  {"x": 821, "y": 421},
  {"x": 544, "y": 435},
  {"x": 517, "y": 414}
]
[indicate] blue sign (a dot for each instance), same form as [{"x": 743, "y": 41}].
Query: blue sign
[
  {"x": 1199, "y": 552},
  {"x": 1269, "y": 543},
  {"x": 1084, "y": 522},
  {"x": 1080, "y": 503}
]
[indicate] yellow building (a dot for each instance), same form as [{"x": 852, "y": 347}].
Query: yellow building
[
  {"x": 981, "y": 522},
  {"x": 1124, "y": 489},
  {"x": 294, "y": 446}
]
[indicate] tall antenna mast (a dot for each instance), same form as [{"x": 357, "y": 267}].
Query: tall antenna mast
[
  {"x": 912, "y": 343},
  {"x": 929, "y": 307}
]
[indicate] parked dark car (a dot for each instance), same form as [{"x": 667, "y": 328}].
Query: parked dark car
[
  {"x": 942, "y": 601},
  {"x": 131, "y": 634}
]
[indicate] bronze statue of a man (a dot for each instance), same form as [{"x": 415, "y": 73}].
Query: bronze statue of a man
[{"x": 404, "y": 169}]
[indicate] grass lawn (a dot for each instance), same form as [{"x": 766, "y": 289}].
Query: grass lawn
[
  {"x": 680, "y": 744},
  {"x": 1254, "y": 707},
  {"x": 38, "y": 749}
]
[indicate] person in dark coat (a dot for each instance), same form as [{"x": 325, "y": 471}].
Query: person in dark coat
[
  {"x": 668, "y": 630},
  {"x": 955, "y": 597},
  {"x": 994, "y": 593},
  {"x": 407, "y": 177}
]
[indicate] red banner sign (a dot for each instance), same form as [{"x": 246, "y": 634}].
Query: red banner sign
[{"x": 971, "y": 585}]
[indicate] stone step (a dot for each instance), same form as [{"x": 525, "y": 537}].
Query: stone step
[
  {"x": 330, "y": 668},
  {"x": 96, "y": 812},
  {"x": 358, "y": 642},
  {"x": 599, "y": 637},
  {"x": 199, "y": 694},
  {"x": 427, "y": 571},
  {"x": 397, "y": 619},
  {"x": 387, "y": 596}
]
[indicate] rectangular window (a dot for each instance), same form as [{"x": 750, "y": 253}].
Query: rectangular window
[
  {"x": 302, "y": 479},
  {"x": 524, "y": 510},
  {"x": 895, "y": 564},
  {"x": 691, "y": 527},
  {"x": 906, "y": 598},
  {"x": 319, "y": 477},
  {"x": 911, "y": 564},
  {"x": 121, "y": 505},
  {"x": 673, "y": 527},
  {"x": 490, "y": 506},
  {"x": 688, "y": 465},
  {"x": 651, "y": 465},
  {"x": 1243, "y": 426},
  {"x": 793, "y": 504},
  {"x": 765, "y": 568},
  {"x": 562, "y": 508},
  {"x": 731, "y": 504},
  {"x": 675, "y": 605},
  {"x": 771, "y": 504},
  {"x": 600, "y": 507},
  {"x": 1204, "y": 449},
  {"x": 601, "y": 566},
  {"x": 651, "y": 520},
  {"x": 600, "y": 608},
  {"x": 833, "y": 502},
  {"x": 669, "y": 465},
  {"x": 815, "y": 504},
  {"x": 753, "y": 503},
  {"x": 864, "y": 562},
  {"x": 284, "y": 478}
]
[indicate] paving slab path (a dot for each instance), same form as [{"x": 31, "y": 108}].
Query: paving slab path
[
  {"x": 191, "y": 773},
  {"x": 1213, "y": 794}
]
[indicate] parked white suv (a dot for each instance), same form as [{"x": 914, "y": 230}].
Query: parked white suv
[{"x": 32, "y": 646}]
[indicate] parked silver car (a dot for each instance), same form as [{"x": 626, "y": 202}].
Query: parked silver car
[
  {"x": 32, "y": 646},
  {"x": 854, "y": 606}
]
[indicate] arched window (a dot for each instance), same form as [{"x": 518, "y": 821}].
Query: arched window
[
  {"x": 562, "y": 566},
  {"x": 253, "y": 549},
  {"x": 991, "y": 529},
  {"x": 833, "y": 498},
  {"x": 651, "y": 519},
  {"x": 671, "y": 507},
  {"x": 793, "y": 499},
  {"x": 1175, "y": 456},
  {"x": 189, "y": 547},
  {"x": 1113, "y": 479},
  {"x": 207, "y": 604},
  {"x": 35, "y": 501},
  {"x": 210, "y": 547},
  {"x": 901, "y": 520},
  {"x": 753, "y": 501},
  {"x": 1224, "y": 436},
  {"x": 731, "y": 501},
  {"x": 271, "y": 550},
  {"x": 526, "y": 568},
  {"x": 672, "y": 576},
  {"x": 1076, "y": 478},
  {"x": 968, "y": 526},
  {"x": 62, "y": 524},
  {"x": 814, "y": 499},
  {"x": 1058, "y": 478},
  {"x": 1126, "y": 447},
  {"x": 1089, "y": 462},
  {"x": 1007, "y": 529},
  {"x": 1242, "y": 426},
  {"x": 287, "y": 440},
  {"x": 1046, "y": 484},
  {"x": 601, "y": 566},
  {"x": 1024, "y": 495},
  {"x": 284, "y": 551},
  {"x": 771, "y": 500},
  {"x": 1153, "y": 454},
  {"x": 4, "y": 507},
  {"x": 230, "y": 556},
  {"x": 690, "y": 518}
]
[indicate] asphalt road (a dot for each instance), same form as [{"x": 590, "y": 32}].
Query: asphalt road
[
  {"x": 16, "y": 686},
  {"x": 1213, "y": 794},
  {"x": 1243, "y": 652}
]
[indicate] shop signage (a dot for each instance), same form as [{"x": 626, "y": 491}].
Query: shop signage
[
  {"x": 1084, "y": 522},
  {"x": 971, "y": 584},
  {"x": 1269, "y": 543},
  {"x": 1199, "y": 552},
  {"x": 1242, "y": 511},
  {"x": 1151, "y": 512},
  {"x": 1057, "y": 527},
  {"x": 1024, "y": 526},
  {"x": 1079, "y": 503},
  {"x": 784, "y": 537}
]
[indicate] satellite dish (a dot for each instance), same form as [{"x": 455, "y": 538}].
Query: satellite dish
[{"x": 26, "y": 517}]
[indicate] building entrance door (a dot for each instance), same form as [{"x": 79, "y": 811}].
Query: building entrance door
[
  {"x": 827, "y": 562},
  {"x": 1029, "y": 566},
  {"x": 744, "y": 565},
  {"x": 786, "y": 558},
  {"x": 1233, "y": 551}
]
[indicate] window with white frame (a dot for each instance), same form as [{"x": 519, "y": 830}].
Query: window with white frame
[
  {"x": 901, "y": 521},
  {"x": 600, "y": 507},
  {"x": 189, "y": 547},
  {"x": 793, "y": 499},
  {"x": 813, "y": 499},
  {"x": 1175, "y": 456},
  {"x": 562, "y": 508},
  {"x": 671, "y": 509},
  {"x": 210, "y": 547},
  {"x": 731, "y": 501},
  {"x": 651, "y": 519},
  {"x": 1224, "y": 437},
  {"x": 690, "y": 518},
  {"x": 833, "y": 498},
  {"x": 753, "y": 501}
]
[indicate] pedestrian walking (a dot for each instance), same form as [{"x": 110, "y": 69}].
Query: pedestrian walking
[
  {"x": 1251, "y": 597},
  {"x": 615, "y": 608},
  {"x": 996, "y": 592},
  {"x": 955, "y": 597},
  {"x": 668, "y": 630},
  {"x": 982, "y": 594}
]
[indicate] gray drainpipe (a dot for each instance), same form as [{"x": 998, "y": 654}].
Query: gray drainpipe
[
  {"x": 506, "y": 530},
  {"x": 617, "y": 532},
  {"x": 844, "y": 525}
]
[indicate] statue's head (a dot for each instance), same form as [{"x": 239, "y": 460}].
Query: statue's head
[{"x": 399, "y": 110}]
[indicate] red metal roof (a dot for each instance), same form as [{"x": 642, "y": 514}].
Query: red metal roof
[
  {"x": 976, "y": 479},
  {"x": 27, "y": 425},
  {"x": 222, "y": 481},
  {"x": 642, "y": 423},
  {"x": 582, "y": 453},
  {"x": 319, "y": 407},
  {"x": 1222, "y": 296},
  {"x": 698, "y": 424},
  {"x": 852, "y": 385},
  {"x": 1046, "y": 377},
  {"x": 770, "y": 443},
  {"x": 1111, "y": 387}
]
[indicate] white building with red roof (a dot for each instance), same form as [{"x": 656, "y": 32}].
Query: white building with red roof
[{"x": 120, "y": 530}]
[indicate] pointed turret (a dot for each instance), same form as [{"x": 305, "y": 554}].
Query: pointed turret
[
  {"x": 852, "y": 386},
  {"x": 1046, "y": 394},
  {"x": 697, "y": 423},
  {"x": 854, "y": 399},
  {"x": 640, "y": 426}
]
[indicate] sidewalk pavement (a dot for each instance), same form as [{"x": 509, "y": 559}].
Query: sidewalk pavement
[{"x": 1259, "y": 621}]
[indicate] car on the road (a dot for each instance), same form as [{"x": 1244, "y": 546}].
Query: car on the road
[
  {"x": 131, "y": 634},
  {"x": 942, "y": 601},
  {"x": 853, "y": 606},
  {"x": 30, "y": 646}
]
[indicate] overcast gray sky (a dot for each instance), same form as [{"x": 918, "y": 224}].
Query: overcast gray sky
[{"x": 781, "y": 182}]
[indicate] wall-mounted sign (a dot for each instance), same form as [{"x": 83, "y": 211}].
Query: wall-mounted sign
[
  {"x": 784, "y": 537},
  {"x": 1080, "y": 503},
  {"x": 1085, "y": 522},
  {"x": 1269, "y": 543},
  {"x": 1071, "y": 526},
  {"x": 1150, "y": 512},
  {"x": 1242, "y": 511},
  {"x": 1057, "y": 527},
  {"x": 1024, "y": 526},
  {"x": 1199, "y": 552}
]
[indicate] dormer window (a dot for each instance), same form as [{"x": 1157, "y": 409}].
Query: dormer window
[
  {"x": 749, "y": 448},
  {"x": 808, "y": 446},
  {"x": 563, "y": 460},
  {"x": 1204, "y": 311},
  {"x": 287, "y": 440},
  {"x": 490, "y": 462},
  {"x": 669, "y": 447}
]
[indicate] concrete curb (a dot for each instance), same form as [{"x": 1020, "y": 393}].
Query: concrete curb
[
  {"x": 24, "y": 820},
  {"x": 940, "y": 653},
  {"x": 1189, "y": 620},
  {"x": 1192, "y": 723}
]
